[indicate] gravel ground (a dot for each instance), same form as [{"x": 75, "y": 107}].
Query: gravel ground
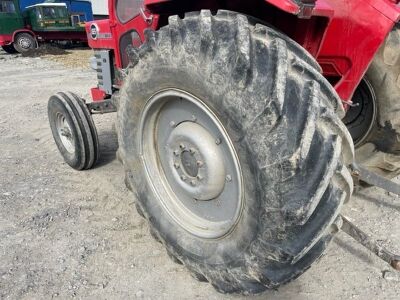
[{"x": 67, "y": 234}]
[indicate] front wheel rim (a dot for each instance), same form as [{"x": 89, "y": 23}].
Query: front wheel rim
[
  {"x": 191, "y": 164},
  {"x": 65, "y": 133}
]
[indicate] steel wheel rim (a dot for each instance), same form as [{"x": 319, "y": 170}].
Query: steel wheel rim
[
  {"x": 65, "y": 133},
  {"x": 25, "y": 43},
  {"x": 191, "y": 164},
  {"x": 361, "y": 119}
]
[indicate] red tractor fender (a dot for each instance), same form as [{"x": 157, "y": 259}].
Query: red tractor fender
[
  {"x": 288, "y": 6},
  {"x": 338, "y": 33},
  {"x": 26, "y": 30}
]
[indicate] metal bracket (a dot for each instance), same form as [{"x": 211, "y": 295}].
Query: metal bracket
[
  {"x": 306, "y": 8},
  {"x": 148, "y": 19},
  {"x": 360, "y": 173},
  {"x": 101, "y": 107},
  {"x": 372, "y": 245}
]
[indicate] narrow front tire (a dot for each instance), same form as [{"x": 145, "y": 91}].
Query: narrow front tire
[{"x": 73, "y": 130}]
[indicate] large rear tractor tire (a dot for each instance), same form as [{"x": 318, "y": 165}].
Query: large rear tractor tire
[
  {"x": 232, "y": 142},
  {"x": 375, "y": 123},
  {"x": 9, "y": 49}
]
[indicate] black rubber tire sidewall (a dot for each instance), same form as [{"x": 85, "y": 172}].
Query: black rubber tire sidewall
[
  {"x": 73, "y": 159},
  {"x": 282, "y": 118}
]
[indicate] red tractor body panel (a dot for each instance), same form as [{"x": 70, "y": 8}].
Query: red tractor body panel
[{"x": 342, "y": 35}]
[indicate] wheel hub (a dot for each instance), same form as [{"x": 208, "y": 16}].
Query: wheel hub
[
  {"x": 196, "y": 161},
  {"x": 25, "y": 43},
  {"x": 191, "y": 164},
  {"x": 361, "y": 118},
  {"x": 65, "y": 133}
]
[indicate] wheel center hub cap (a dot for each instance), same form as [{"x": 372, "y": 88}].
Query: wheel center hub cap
[
  {"x": 189, "y": 164},
  {"x": 196, "y": 161}
]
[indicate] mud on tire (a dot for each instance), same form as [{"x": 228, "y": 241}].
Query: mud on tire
[
  {"x": 380, "y": 149},
  {"x": 283, "y": 119}
]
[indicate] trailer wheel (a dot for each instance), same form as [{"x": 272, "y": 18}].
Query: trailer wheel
[
  {"x": 9, "y": 49},
  {"x": 73, "y": 130},
  {"x": 24, "y": 42},
  {"x": 375, "y": 123},
  {"x": 231, "y": 141}
]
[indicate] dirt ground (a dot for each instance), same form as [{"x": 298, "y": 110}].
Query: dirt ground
[{"x": 67, "y": 234}]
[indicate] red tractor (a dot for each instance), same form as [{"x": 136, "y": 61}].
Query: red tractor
[{"x": 243, "y": 125}]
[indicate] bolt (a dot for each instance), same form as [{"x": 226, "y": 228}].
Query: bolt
[
  {"x": 228, "y": 178},
  {"x": 176, "y": 165},
  {"x": 194, "y": 119},
  {"x": 176, "y": 152},
  {"x": 199, "y": 163},
  {"x": 172, "y": 124},
  {"x": 193, "y": 182},
  {"x": 218, "y": 141},
  {"x": 183, "y": 177},
  {"x": 192, "y": 151},
  {"x": 182, "y": 146}
]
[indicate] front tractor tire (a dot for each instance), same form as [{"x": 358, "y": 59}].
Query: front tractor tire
[
  {"x": 231, "y": 142},
  {"x": 73, "y": 130},
  {"x": 375, "y": 123},
  {"x": 24, "y": 42}
]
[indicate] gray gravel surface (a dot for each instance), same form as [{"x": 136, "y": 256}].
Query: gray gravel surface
[{"x": 67, "y": 234}]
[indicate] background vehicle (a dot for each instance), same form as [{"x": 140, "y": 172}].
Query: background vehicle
[
  {"x": 22, "y": 28},
  {"x": 230, "y": 125},
  {"x": 75, "y": 7}
]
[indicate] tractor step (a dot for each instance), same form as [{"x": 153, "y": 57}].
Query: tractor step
[{"x": 101, "y": 107}]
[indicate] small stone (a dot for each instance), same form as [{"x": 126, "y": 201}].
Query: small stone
[
  {"x": 390, "y": 276},
  {"x": 139, "y": 294}
]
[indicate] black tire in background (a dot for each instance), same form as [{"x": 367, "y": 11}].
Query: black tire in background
[
  {"x": 24, "y": 42},
  {"x": 375, "y": 123},
  {"x": 9, "y": 49},
  {"x": 282, "y": 118},
  {"x": 73, "y": 130}
]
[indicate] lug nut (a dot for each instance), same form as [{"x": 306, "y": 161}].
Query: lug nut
[
  {"x": 193, "y": 183},
  {"x": 199, "y": 163},
  {"x": 218, "y": 141},
  {"x": 176, "y": 152},
  {"x": 228, "y": 178},
  {"x": 176, "y": 165},
  {"x": 182, "y": 146},
  {"x": 183, "y": 177},
  {"x": 199, "y": 177},
  {"x": 192, "y": 151},
  {"x": 172, "y": 124}
]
